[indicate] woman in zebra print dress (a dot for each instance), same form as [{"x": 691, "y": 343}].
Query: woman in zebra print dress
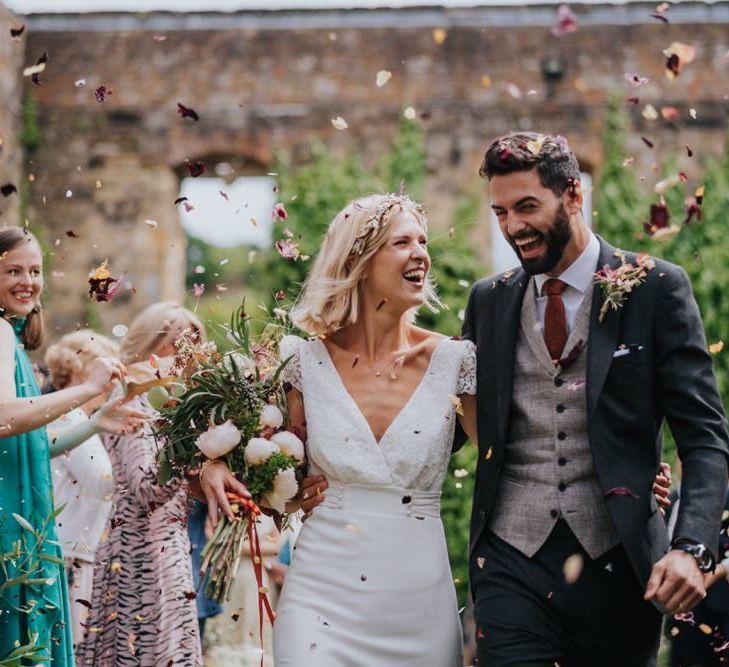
[{"x": 143, "y": 610}]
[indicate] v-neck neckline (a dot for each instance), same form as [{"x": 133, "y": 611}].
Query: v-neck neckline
[{"x": 356, "y": 407}]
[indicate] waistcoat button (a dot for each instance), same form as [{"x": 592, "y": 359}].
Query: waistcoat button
[
  {"x": 561, "y": 408},
  {"x": 562, "y": 486}
]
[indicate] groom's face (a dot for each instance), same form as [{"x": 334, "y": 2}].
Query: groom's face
[{"x": 532, "y": 219}]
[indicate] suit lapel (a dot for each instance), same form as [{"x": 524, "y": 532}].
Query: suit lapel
[
  {"x": 508, "y": 312},
  {"x": 603, "y": 336}
]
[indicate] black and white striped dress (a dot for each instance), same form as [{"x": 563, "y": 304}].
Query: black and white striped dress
[{"x": 143, "y": 610}]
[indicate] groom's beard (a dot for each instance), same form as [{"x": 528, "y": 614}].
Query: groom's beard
[{"x": 556, "y": 239}]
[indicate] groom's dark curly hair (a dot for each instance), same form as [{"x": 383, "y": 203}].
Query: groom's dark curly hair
[{"x": 553, "y": 159}]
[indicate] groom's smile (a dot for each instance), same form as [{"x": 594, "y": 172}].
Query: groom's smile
[{"x": 533, "y": 220}]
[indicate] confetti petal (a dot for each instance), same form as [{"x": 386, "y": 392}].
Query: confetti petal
[
  {"x": 187, "y": 112},
  {"x": 670, "y": 113},
  {"x": 339, "y": 123},
  {"x": 620, "y": 491},
  {"x": 678, "y": 55},
  {"x": 566, "y": 22},
  {"x": 636, "y": 80},
  {"x": 439, "y": 35},
  {"x": 101, "y": 93},
  {"x": 572, "y": 568},
  {"x": 36, "y": 70},
  {"x": 383, "y": 76},
  {"x": 195, "y": 168},
  {"x": 649, "y": 112},
  {"x": 279, "y": 212}
]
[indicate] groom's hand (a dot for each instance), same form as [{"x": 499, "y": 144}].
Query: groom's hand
[
  {"x": 676, "y": 583},
  {"x": 312, "y": 489}
]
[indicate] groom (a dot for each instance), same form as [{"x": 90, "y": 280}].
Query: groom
[{"x": 571, "y": 403}]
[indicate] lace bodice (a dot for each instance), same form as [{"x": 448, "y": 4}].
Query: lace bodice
[{"x": 413, "y": 453}]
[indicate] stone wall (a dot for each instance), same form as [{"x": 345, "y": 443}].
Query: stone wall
[
  {"x": 268, "y": 81},
  {"x": 11, "y": 62}
]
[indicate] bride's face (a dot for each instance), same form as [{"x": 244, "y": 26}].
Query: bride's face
[{"x": 398, "y": 270}]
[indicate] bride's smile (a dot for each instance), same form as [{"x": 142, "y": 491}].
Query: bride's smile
[{"x": 399, "y": 270}]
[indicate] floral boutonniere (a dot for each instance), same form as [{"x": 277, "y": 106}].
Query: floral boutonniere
[{"x": 616, "y": 284}]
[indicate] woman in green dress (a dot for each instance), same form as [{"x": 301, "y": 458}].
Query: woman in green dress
[{"x": 34, "y": 613}]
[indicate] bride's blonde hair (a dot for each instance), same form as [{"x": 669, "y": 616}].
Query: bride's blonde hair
[{"x": 330, "y": 297}]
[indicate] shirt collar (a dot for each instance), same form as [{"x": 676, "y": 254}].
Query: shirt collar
[{"x": 579, "y": 274}]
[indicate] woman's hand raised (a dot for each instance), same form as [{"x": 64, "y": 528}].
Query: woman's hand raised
[
  {"x": 120, "y": 419},
  {"x": 102, "y": 373}
]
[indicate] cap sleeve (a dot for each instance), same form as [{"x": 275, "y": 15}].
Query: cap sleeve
[
  {"x": 290, "y": 348},
  {"x": 467, "y": 373}
]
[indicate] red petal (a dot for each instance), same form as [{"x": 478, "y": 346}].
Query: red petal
[
  {"x": 659, "y": 216},
  {"x": 620, "y": 491},
  {"x": 187, "y": 112}
]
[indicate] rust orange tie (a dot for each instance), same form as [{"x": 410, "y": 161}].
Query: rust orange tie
[{"x": 555, "y": 318}]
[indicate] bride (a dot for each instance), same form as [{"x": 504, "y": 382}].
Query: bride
[
  {"x": 369, "y": 580},
  {"x": 369, "y": 583}
]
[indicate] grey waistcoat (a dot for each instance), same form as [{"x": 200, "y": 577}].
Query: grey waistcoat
[{"x": 548, "y": 471}]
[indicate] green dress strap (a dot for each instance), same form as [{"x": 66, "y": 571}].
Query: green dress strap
[{"x": 34, "y": 606}]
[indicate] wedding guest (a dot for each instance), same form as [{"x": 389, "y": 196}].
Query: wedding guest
[
  {"x": 143, "y": 605},
  {"x": 82, "y": 480},
  {"x": 35, "y": 612}
]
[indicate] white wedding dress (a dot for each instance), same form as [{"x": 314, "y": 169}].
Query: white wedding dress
[{"x": 370, "y": 583}]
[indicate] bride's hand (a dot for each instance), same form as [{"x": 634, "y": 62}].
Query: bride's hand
[
  {"x": 312, "y": 489},
  {"x": 216, "y": 480},
  {"x": 662, "y": 487}
]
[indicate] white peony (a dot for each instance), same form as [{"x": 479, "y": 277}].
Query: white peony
[
  {"x": 289, "y": 444},
  {"x": 258, "y": 450},
  {"x": 272, "y": 416},
  {"x": 285, "y": 487},
  {"x": 275, "y": 502},
  {"x": 218, "y": 440},
  {"x": 285, "y": 484}
]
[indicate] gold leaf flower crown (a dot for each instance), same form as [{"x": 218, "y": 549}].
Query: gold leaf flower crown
[{"x": 379, "y": 221}]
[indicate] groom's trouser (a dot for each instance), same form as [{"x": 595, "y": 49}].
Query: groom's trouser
[{"x": 527, "y": 613}]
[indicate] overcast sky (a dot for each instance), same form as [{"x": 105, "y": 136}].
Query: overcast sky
[{"x": 30, "y": 6}]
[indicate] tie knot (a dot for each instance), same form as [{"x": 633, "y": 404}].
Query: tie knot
[{"x": 554, "y": 287}]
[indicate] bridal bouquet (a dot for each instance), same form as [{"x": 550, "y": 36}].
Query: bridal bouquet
[{"x": 230, "y": 407}]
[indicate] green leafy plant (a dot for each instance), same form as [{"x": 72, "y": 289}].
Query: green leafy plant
[{"x": 21, "y": 566}]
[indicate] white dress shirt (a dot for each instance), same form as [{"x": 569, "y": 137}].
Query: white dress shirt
[{"x": 579, "y": 276}]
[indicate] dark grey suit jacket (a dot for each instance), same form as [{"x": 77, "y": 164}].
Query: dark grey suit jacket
[{"x": 667, "y": 375}]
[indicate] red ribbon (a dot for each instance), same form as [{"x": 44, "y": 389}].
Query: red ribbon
[
  {"x": 258, "y": 569},
  {"x": 253, "y": 511}
]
